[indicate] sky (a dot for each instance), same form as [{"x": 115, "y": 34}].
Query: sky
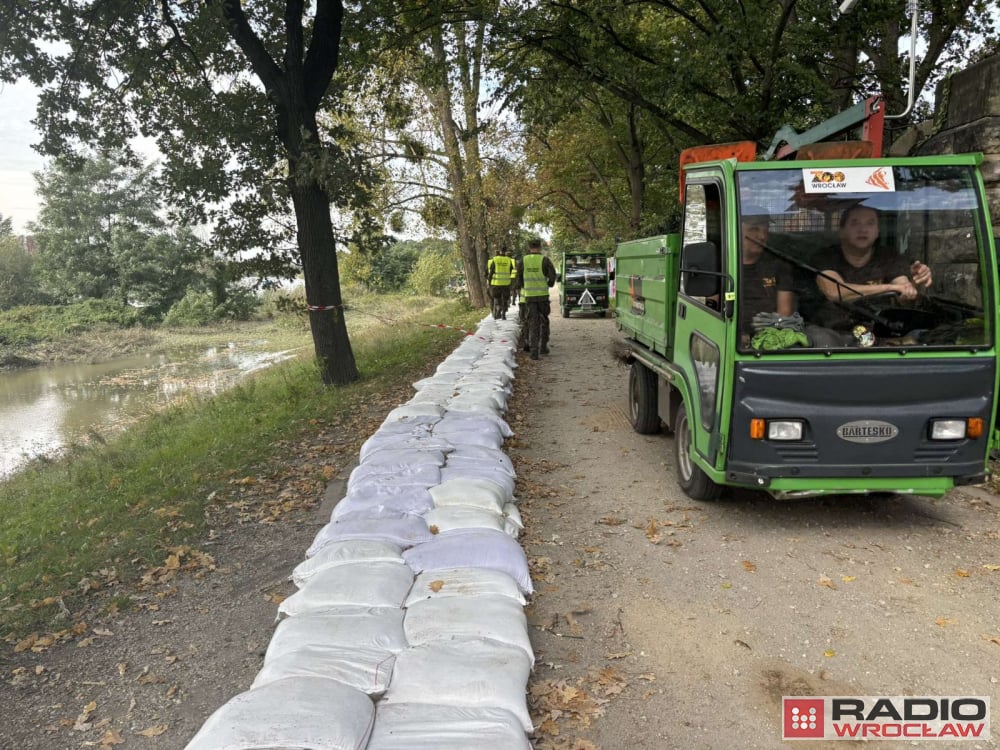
[{"x": 17, "y": 187}]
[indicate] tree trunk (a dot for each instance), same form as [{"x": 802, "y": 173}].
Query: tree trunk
[{"x": 319, "y": 267}]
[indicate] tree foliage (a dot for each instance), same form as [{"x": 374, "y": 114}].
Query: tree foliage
[
  {"x": 230, "y": 94},
  {"x": 100, "y": 235}
]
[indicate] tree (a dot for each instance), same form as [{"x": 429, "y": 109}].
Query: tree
[
  {"x": 17, "y": 279},
  {"x": 691, "y": 73},
  {"x": 231, "y": 96},
  {"x": 100, "y": 235}
]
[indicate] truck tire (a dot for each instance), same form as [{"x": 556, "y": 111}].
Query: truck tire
[
  {"x": 642, "y": 411},
  {"x": 565, "y": 312},
  {"x": 695, "y": 482}
]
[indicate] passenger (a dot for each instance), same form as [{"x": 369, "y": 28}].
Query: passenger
[
  {"x": 767, "y": 280},
  {"x": 858, "y": 269}
]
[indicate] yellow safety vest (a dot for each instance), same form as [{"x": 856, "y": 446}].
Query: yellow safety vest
[
  {"x": 534, "y": 282},
  {"x": 502, "y": 267}
]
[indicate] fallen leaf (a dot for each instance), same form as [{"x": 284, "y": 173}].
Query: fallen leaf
[
  {"x": 848, "y": 579},
  {"x": 944, "y": 622},
  {"x": 435, "y": 586},
  {"x": 726, "y": 585},
  {"x": 611, "y": 521},
  {"x": 434, "y": 529},
  {"x": 749, "y": 567},
  {"x": 829, "y": 653},
  {"x": 992, "y": 567},
  {"x": 154, "y": 731},
  {"x": 111, "y": 737},
  {"x": 961, "y": 573},
  {"x": 993, "y": 639},
  {"x": 824, "y": 581}
]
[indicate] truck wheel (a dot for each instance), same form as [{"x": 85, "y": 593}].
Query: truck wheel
[
  {"x": 695, "y": 482},
  {"x": 565, "y": 312},
  {"x": 642, "y": 412}
]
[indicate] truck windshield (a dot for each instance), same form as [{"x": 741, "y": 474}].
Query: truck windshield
[
  {"x": 585, "y": 269},
  {"x": 862, "y": 258}
]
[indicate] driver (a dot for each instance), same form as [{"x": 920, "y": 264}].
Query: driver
[{"x": 858, "y": 269}]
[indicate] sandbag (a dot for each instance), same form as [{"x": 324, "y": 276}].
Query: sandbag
[
  {"x": 476, "y": 673},
  {"x": 423, "y": 726},
  {"x": 474, "y": 492},
  {"x": 377, "y": 499},
  {"x": 513, "y": 524},
  {"x": 472, "y": 548},
  {"x": 455, "y": 618},
  {"x": 296, "y": 712},
  {"x": 380, "y": 584},
  {"x": 440, "y": 520},
  {"x": 405, "y": 531},
  {"x": 480, "y": 474},
  {"x": 378, "y": 628},
  {"x": 421, "y": 475},
  {"x": 343, "y": 553},
  {"x": 467, "y": 582},
  {"x": 366, "y": 669}
]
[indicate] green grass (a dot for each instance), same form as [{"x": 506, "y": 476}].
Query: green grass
[{"x": 110, "y": 511}]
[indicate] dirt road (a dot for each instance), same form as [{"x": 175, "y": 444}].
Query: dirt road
[{"x": 660, "y": 622}]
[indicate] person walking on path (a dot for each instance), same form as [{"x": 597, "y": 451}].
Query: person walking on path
[
  {"x": 499, "y": 272},
  {"x": 535, "y": 274}
]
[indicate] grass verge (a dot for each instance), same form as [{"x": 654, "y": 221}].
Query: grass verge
[{"x": 108, "y": 512}]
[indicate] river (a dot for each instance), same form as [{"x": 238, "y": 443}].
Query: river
[{"x": 45, "y": 409}]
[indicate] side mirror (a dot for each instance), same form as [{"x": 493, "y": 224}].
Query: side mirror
[{"x": 700, "y": 269}]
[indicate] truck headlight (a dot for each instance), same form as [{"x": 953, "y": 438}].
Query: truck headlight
[
  {"x": 956, "y": 429},
  {"x": 784, "y": 430}
]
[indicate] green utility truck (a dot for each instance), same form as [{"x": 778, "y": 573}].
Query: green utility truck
[
  {"x": 852, "y": 392},
  {"x": 583, "y": 283}
]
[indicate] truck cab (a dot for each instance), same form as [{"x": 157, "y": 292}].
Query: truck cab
[
  {"x": 583, "y": 283},
  {"x": 852, "y": 392}
]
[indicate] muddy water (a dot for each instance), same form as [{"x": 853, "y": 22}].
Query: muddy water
[{"x": 44, "y": 410}]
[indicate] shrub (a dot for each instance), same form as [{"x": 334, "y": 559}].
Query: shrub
[{"x": 193, "y": 309}]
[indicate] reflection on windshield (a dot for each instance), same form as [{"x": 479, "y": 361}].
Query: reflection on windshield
[
  {"x": 873, "y": 257},
  {"x": 586, "y": 269}
]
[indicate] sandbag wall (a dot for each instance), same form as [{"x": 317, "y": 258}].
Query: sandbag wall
[{"x": 407, "y": 631}]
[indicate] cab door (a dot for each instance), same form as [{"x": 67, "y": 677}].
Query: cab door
[{"x": 703, "y": 345}]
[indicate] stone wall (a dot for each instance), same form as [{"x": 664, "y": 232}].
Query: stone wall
[{"x": 967, "y": 119}]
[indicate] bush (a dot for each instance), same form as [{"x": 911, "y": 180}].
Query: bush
[
  {"x": 434, "y": 271},
  {"x": 193, "y": 309}
]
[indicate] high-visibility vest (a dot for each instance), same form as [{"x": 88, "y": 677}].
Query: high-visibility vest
[
  {"x": 502, "y": 267},
  {"x": 534, "y": 282}
]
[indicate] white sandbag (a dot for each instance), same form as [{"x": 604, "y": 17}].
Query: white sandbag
[
  {"x": 474, "y": 483},
  {"x": 344, "y": 553},
  {"x": 381, "y": 441},
  {"x": 400, "y": 459},
  {"x": 513, "y": 524},
  {"x": 379, "y": 628},
  {"x": 376, "y": 499},
  {"x": 472, "y": 548},
  {"x": 478, "y": 456},
  {"x": 476, "y": 673},
  {"x": 458, "y": 422},
  {"x": 420, "y": 475},
  {"x": 296, "y": 712},
  {"x": 475, "y": 403},
  {"x": 366, "y": 669},
  {"x": 440, "y": 520},
  {"x": 410, "y": 411},
  {"x": 473, "y": 492},
  {"x": 466, "y": 582},
  {"x": 423, "y": 726},
  {"x": 381, "y": 584},
  {"x": 455, "y": 618},
  {"x": 405, "y": 531},
  {"x": 485, "y": 438},
  {"x": 414, "y": 427},
  {"x": 438, "y": 379}
]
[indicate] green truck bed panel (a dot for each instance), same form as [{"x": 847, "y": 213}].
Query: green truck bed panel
[{"x": 646, "y": 290}]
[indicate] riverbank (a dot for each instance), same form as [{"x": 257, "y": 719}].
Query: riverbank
[{"x": 80, "y": 532}]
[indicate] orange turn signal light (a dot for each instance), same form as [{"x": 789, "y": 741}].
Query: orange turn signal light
[
  {"x": 974, "y": 427},
  {"x": 757, "y": 429}
]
